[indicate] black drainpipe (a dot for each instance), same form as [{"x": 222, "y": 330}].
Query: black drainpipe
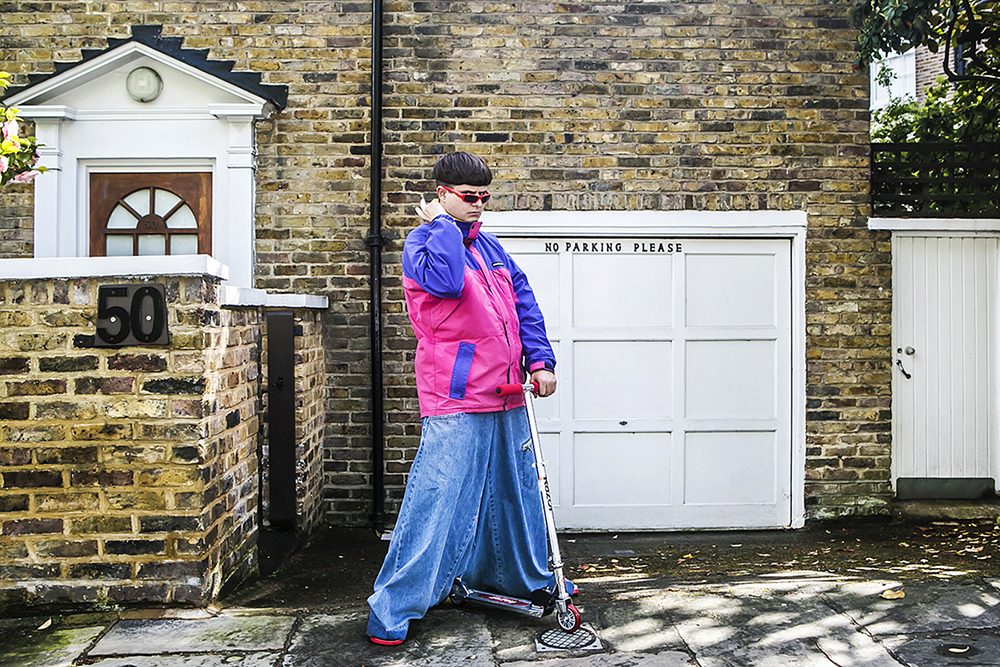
[{"x": 375, "y": 243}]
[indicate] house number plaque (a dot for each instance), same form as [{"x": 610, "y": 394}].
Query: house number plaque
[{"x": 131, "y": 315}]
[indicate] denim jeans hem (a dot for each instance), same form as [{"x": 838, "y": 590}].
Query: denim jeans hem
[{"x": 466, "y": 512}]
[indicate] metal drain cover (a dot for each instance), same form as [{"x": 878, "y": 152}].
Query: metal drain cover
[{"x": 583, "y": 639}]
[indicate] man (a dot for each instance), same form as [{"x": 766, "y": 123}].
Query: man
[{"x": 471, "y": 506}]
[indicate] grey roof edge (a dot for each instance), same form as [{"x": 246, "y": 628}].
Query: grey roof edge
[{"x": 150, "y": 36}]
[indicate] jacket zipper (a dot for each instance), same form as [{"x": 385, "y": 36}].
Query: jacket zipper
[{"x": 481, "y": 263}]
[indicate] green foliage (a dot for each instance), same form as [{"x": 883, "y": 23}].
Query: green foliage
[
  {"x": 18, "y": 154},
  {"x": 967, "y": 113},
  {"x": 896, "y": 26},
  {"x": 966, "y": 29}
]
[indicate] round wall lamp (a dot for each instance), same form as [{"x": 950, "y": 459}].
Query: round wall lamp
[{"x": 143, "y": 84}]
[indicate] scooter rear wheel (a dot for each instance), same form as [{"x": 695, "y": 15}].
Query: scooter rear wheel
[{"x": 569, "y": 620}]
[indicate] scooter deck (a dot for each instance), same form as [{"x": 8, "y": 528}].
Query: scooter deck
[{"x": 461, "y": 594}]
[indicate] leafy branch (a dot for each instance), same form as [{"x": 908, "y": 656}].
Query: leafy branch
[
  {"x": 18, "y": 154},
  {"x": 969, "y": 30}
]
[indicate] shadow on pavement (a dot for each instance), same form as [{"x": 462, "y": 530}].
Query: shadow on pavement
[{"x": 335, "y": 567}]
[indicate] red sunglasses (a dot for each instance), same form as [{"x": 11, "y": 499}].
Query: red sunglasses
[{"x": 469, "y": 198}]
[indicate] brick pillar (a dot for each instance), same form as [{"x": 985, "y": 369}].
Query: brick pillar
[{"x": 126, "y": 474}]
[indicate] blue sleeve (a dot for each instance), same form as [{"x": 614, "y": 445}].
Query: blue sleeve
[
  {"x": 534, "y": 341},
  {"x": 434, "y": 257}
]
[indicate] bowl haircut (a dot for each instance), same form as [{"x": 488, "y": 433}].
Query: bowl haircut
[{"x": 462, "y": 169}]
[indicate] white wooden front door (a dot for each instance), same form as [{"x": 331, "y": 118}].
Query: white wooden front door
[
  {"x": 674, "y": 365},
  {"x": 944, "y": 417}
]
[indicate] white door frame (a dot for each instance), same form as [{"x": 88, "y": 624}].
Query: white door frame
[{"x": 789, "y": 225}]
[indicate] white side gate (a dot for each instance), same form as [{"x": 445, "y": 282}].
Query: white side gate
[{"x": 944, "y": 387}]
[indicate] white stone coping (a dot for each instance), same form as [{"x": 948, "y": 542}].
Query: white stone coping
[
  {"x": 40, "y": 268},
  {"x": 99, "y": 267},
  {"x": 935, "y": 224},
  {"x": 245, "y": 296}
]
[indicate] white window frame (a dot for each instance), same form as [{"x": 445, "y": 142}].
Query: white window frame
[{"x": 904, "y": 84}]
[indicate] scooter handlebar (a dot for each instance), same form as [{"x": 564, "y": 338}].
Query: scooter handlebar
[{"x": 513, "y": 389}]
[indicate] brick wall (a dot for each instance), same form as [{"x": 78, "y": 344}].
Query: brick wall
[
  {"x": 929, "y": 67},
  {"x": 125, "y": 474},
  {"x": 699, "y": 105}
]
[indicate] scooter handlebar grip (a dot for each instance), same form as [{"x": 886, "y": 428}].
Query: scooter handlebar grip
[{"x": 514, "y": 389}]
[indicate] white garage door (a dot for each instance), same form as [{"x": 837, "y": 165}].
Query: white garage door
[{"x": 674, "y": 366}]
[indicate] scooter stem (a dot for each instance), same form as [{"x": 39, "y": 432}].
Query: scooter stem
[{"x": 543, "y": 489}]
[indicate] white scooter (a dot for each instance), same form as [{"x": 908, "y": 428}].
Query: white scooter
[{"x": 567, "y": 615}]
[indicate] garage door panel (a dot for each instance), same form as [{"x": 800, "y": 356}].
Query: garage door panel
[
  {"x": 730, "y": 290},
  {"x": 748, "y": 476},
  {"x": 633, "y": 425},
  {"x": 622, "y": 290},
  {"x": 604, "y": 379},
  {"x": 732, "y": 379},
  {"x": 552, "y": 456},
  {"x": 543, "y": 270},
  {"x": 547, "y": 413},
  {"x": 622, "y": 469}
]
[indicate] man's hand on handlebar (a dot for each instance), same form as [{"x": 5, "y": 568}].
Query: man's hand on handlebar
[{"x": 546, "y": 380}]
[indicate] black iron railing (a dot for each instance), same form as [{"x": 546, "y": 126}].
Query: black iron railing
[{"x": 932, "y": 180}]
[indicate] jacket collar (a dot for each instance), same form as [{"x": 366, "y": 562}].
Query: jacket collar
[{"x": 470, "y": 230}]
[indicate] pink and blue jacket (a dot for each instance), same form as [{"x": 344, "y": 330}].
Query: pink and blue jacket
[{"x": 475, "y": 318}]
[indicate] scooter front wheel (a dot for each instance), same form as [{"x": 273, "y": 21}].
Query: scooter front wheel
[{"x": 569, "y": 618}]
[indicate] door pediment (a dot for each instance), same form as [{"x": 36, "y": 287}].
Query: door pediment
[{"x": 190, "y": 80}]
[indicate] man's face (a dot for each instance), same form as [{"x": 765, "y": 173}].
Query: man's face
[{"x": 451, "y": 198}]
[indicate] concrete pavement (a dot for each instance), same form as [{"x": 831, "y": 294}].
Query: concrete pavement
[
  {"x": 792, "y": 619},
  {"x": 633, "y": 616}
]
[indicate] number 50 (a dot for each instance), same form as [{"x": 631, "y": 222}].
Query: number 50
[{"x": 131, "y": 315}]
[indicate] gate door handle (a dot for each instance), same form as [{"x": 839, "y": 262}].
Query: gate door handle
[{"x": 899, "y": 362}]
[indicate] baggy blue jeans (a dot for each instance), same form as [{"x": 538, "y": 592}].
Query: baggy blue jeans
[{"x": 471, "y": 509}]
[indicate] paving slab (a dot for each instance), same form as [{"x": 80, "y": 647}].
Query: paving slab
[
  {"x": 55, "y": 647},
  {"x": 249, "y": 634},
  {"x": 514, "y": 635},
  {"x": 768, "y": 624},
  {"x": 229, "y": 660},
  {"x": 443, "y": 638},
  {"x": 639, "y": 625},
  {"x": 664, "y": 659},
  {"x": 928, "y": 607},
  {"x": 954, "y": 648}
]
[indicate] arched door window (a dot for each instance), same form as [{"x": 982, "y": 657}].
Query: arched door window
[{"x": 150, "y": 214}]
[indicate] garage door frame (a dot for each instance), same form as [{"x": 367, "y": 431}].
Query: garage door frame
[{"x": 789, "y": 225}]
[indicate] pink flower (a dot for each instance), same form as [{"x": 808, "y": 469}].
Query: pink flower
[
  {"x": 10, "y": 130},
  {"x": 4, "y": 163},
  {"x": 26, "y": 177}
]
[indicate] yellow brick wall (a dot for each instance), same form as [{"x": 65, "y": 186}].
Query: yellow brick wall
[
  {"x": 601, "y": 106},
  {"x": 125, "y": 474}
]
